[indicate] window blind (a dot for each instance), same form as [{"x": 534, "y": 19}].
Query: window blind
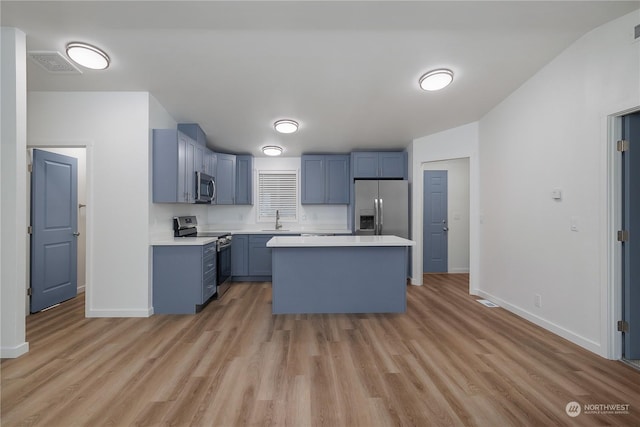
[{"x": 277, "y": 191}]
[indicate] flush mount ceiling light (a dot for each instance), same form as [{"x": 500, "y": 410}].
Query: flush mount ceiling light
[
  {"x": 436, "y": 79},
  {"x": 272, "y": 150},
  {"x": 286, "y": 126},
  {"x": 88, "y": 56}
]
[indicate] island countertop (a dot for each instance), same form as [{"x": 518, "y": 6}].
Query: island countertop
[{"x": 336, "y": 241}]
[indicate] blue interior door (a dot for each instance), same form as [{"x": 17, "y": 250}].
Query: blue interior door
[
  {"x": 435, "y": 228},
  {"x": 54, "y": 218},
  {"x": 631, "y": 223}
]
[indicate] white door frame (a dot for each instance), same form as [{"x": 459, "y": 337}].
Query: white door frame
[{"x": 612, "y": 298}]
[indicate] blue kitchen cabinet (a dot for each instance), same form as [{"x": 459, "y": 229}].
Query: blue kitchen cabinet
[
  {"x": 324, "y": 179},
  {"x": 337, "y": 179},
  {"x": 240, "y": 255},
  {"x": 173, "y": 175},
  {"x": 193, "y": 131},
  {"x": 225, "y": 179},
  {"x": 244, "y": 180},
  {"x": 210, "y": 162},
  {"x": 199, "y": 158},
  {"x": 312, "y": 180},
  {"x": 259, "y": 255},
  {"x": 379, "y": 164},
  {"x": 184, "y": 278}
]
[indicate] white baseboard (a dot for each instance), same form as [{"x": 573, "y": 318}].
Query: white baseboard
[
  {"x": 543, "y": 323},
  {"x": 81, "y": 289},
  {"x": 459, "y": 270},
  {"x": 14, "y": 352},
  {"x": 120, "y": 313}
]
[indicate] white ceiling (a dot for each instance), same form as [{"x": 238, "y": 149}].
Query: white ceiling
[{"x": 347, "y": 71}]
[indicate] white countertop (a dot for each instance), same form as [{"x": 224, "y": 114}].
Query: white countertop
[
  {"x": 283, "y": 230},
  {"x": 182, "y": 241},
  {"x": 336, "y": 241}
]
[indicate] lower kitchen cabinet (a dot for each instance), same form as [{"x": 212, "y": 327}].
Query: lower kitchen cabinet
[
  {"x": 251, "y": 258},
  {"x": 184, "y": 278},
  {"x": 259, "y": 255},
  {"x": 240, "y": 255}
]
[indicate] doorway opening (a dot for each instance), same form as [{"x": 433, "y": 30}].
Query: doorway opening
[
  {"x": 80, "y": 155},
  {"x": 449, "y": 233}
]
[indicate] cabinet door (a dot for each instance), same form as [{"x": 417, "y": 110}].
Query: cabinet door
[
  {"x": 244, "y": 180},
  {"x": 365, "y": 164},
  {"x": 190, "y": 171},
  {"x": 226, "y": 179},
  {"x": 392, "y": 164},
  {"x": 337, "y": 179},
  {"x": 210, "y": 161},
  {"x": 313, "y": 180},
  {"x": 240, "y": 255},
  {"x": 199, "y": 159},
  {"x": 259, "y": 255}
]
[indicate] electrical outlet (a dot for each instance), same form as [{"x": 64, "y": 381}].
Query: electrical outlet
[{"x": 538, "y": 301}]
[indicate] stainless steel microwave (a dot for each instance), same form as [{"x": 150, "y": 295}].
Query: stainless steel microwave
[{"x": 205, "y": 188}]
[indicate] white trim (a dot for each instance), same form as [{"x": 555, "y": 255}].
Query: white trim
[
  {"x": 458, "y": 270},
  {"x": 552, "y": 327},
  {"x": 142, "y": 312},
  {"x": 14, "y": 352}
]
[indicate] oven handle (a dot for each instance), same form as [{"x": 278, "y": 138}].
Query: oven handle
[{"x": 226, "y": 245}]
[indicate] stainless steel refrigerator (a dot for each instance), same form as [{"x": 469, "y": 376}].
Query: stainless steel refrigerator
[{"x": 382, "y": 207}]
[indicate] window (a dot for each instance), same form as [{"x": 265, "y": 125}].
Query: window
[{"x": 277, "y": 191}]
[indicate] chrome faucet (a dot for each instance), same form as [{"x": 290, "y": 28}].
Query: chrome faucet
[{"x": 278, "y": 225}]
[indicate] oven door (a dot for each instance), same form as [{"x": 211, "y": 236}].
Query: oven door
[
  {"x": 224, "y": 267},
  {"x": 205, "y": 188}
]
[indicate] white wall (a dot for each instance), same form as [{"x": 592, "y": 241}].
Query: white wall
[
  {"x": 457, "y": 143},
  {"x": 13, "y": 207},
  {"x": 114, "y": 126},
  {"x": 457, "y": 211},
  {"x": 552, "y": 133}
]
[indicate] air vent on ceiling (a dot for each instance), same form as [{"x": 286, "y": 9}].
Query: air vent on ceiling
[{"x": 53, "y": 62}]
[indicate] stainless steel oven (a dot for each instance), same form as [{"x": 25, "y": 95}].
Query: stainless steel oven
[{"x": 224, "y": 264}]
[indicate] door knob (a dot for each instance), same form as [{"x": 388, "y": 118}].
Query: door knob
[
  {"x": 77, "y": 233},
  {"x": 445, "y": 228}
]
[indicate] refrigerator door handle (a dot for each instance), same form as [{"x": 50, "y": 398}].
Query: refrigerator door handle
[
  {"x": 381, "y": 217},
  {"x": 375, "y": 216}
]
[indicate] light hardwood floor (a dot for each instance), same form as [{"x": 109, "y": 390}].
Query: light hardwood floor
[{"x": 447, "y": 361}]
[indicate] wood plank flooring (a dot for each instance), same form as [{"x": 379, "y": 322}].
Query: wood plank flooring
[{"x": 447, "y": 361}]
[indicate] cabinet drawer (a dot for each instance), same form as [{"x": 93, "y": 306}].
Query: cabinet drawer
[
  {"x": 208, "y": 288},
  {"x": 208, "y": 266},
  {"x": 209, "y": 250}
]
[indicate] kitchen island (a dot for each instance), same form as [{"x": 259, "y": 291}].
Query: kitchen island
[{"x": 339, "y": 274}]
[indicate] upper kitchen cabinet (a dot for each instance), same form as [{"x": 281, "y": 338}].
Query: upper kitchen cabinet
[
  {"x": 379, "y": 164},
  {"x": 244, "y": 180},
  {"x": 225, "y": 179},
  {"x": 210, "y": 162},
  {"x": 173, "y": 167},
  {"x": 194, "y": 131},
  {"x": 325, "y": 179}
]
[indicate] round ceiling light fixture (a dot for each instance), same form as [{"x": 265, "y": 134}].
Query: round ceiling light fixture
[
  {"x": 272, "y": 150},
  {"x": 436, "y": 79},
  {"x": 88, "y": 56},
  {"x": 286, "y": 126}
]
